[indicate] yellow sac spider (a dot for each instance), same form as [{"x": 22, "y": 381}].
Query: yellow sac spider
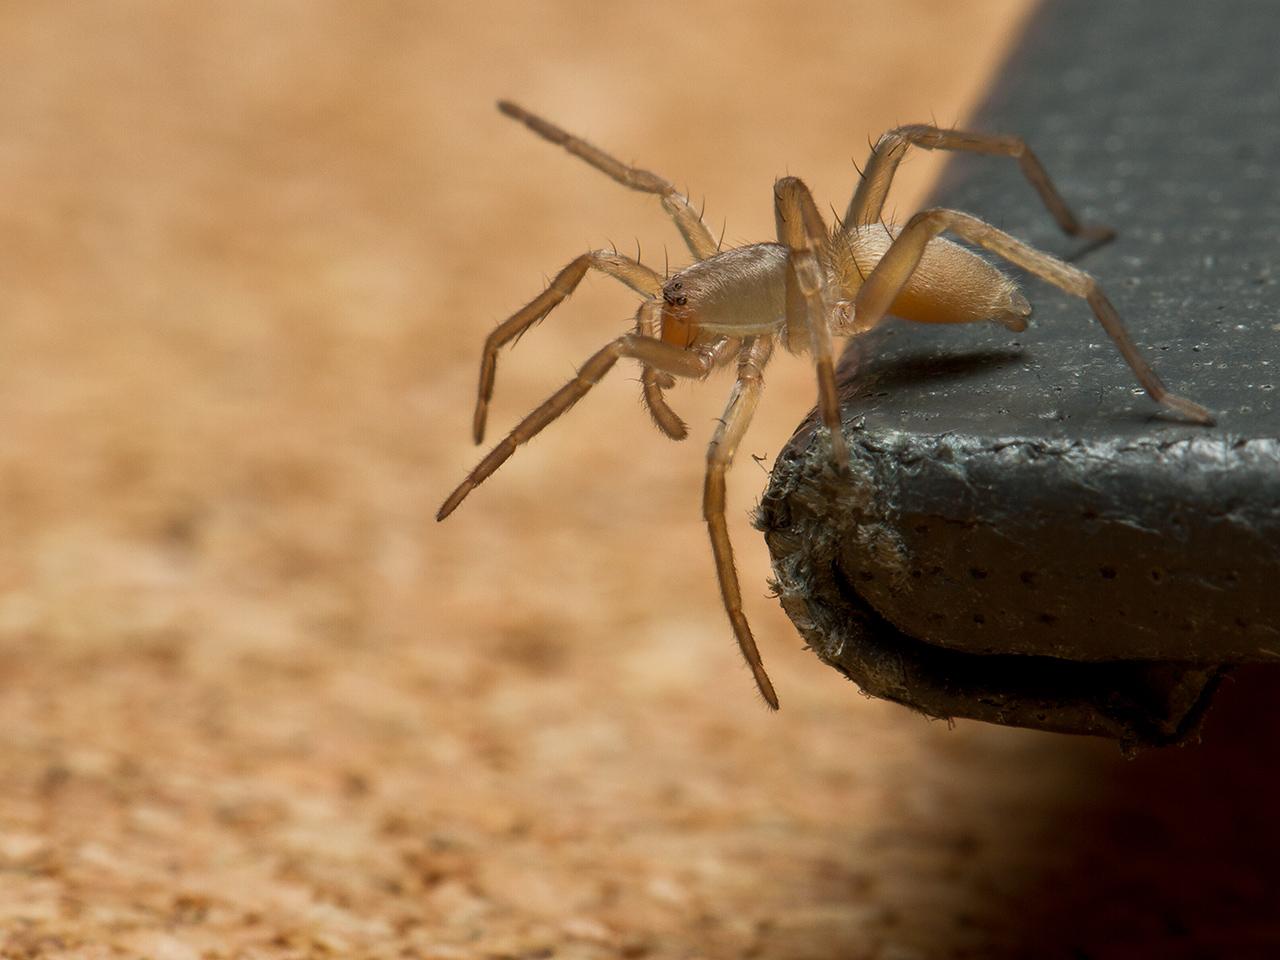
[{"x": 813, "y": 284}]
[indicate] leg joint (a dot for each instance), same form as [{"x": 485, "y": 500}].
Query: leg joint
[{"x": 935, "y": 220}]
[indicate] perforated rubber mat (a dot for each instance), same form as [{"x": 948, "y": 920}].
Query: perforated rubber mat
[{"x": 1024, "y": 536}]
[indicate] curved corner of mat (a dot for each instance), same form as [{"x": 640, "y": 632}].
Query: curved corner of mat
[{"x": 814, "y": 521}]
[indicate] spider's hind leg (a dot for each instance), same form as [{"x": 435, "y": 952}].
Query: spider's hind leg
[
  {"x": 895, "y": 268},
  {"x": 868, "y": 200}
]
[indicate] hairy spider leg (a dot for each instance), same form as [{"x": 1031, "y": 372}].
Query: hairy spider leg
[
  {"x": 664, "y": 357},
  {"x": 631, "y": 272},
  {"x": 737, "y": 417},
  {"x": 868, "y": 199},
  {"x": 802, "y": 231},
  {"x": 688, "y": 220},
  {"x": 896, "y": 266}
]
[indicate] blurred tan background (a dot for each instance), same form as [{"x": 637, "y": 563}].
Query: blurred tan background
[{"x": 254, "y": 702}]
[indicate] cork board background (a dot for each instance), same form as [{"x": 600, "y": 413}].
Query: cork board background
[{"x": 255, "y": 703}]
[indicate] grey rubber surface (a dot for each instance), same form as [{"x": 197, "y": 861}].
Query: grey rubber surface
[{"x": 1024, "y": 536}]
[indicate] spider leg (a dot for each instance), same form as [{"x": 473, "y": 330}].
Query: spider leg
[
  {"x": 664, "y": 357},
  {"x": 687, "y": 220},
  {"x": 737, "y": 417},
  {"x": 802, "y": 230},
  {"x": 895, "y": 267},
  {"x": 868, "y": 200},
  {"x": 631, "y": 272}
]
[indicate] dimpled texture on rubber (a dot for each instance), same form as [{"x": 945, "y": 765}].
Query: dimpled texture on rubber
[{"x": 1024, "y": 536}]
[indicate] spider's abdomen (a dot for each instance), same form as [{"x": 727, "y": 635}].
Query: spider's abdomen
[
  {"x": 739, "y": 293},
  {"x": 952, "y": 284}
]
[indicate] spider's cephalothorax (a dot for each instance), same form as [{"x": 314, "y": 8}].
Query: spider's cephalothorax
[
  {"x": 737, "y": 292},
  {"x": 731, "y": 306}
]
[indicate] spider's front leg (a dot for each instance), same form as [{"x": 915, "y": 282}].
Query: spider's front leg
[
  {"x": 624, "y": 269},
  {"x": 687, "y": 220},
  {"x": 662, "y": 357},
  {"x": 802, "y": 231},
  {"x": 737, "y": 417}
]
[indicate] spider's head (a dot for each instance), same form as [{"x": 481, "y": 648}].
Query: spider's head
[
  {"x": 673, "y": 292},
  {"x": 678, "y": 326}
]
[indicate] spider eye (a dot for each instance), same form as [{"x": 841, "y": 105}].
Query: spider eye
[{"x": 681, "y": 301}]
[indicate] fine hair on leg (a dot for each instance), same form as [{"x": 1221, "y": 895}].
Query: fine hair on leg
[{"x": 687, "y": 220}]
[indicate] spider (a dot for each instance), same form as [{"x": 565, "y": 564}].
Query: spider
[{"x": 812, "y": 284}]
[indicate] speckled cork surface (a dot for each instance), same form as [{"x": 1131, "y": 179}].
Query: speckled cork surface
[
  {"x": 1020, "y": 495},
  {"x": 255, "y": 704}
]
